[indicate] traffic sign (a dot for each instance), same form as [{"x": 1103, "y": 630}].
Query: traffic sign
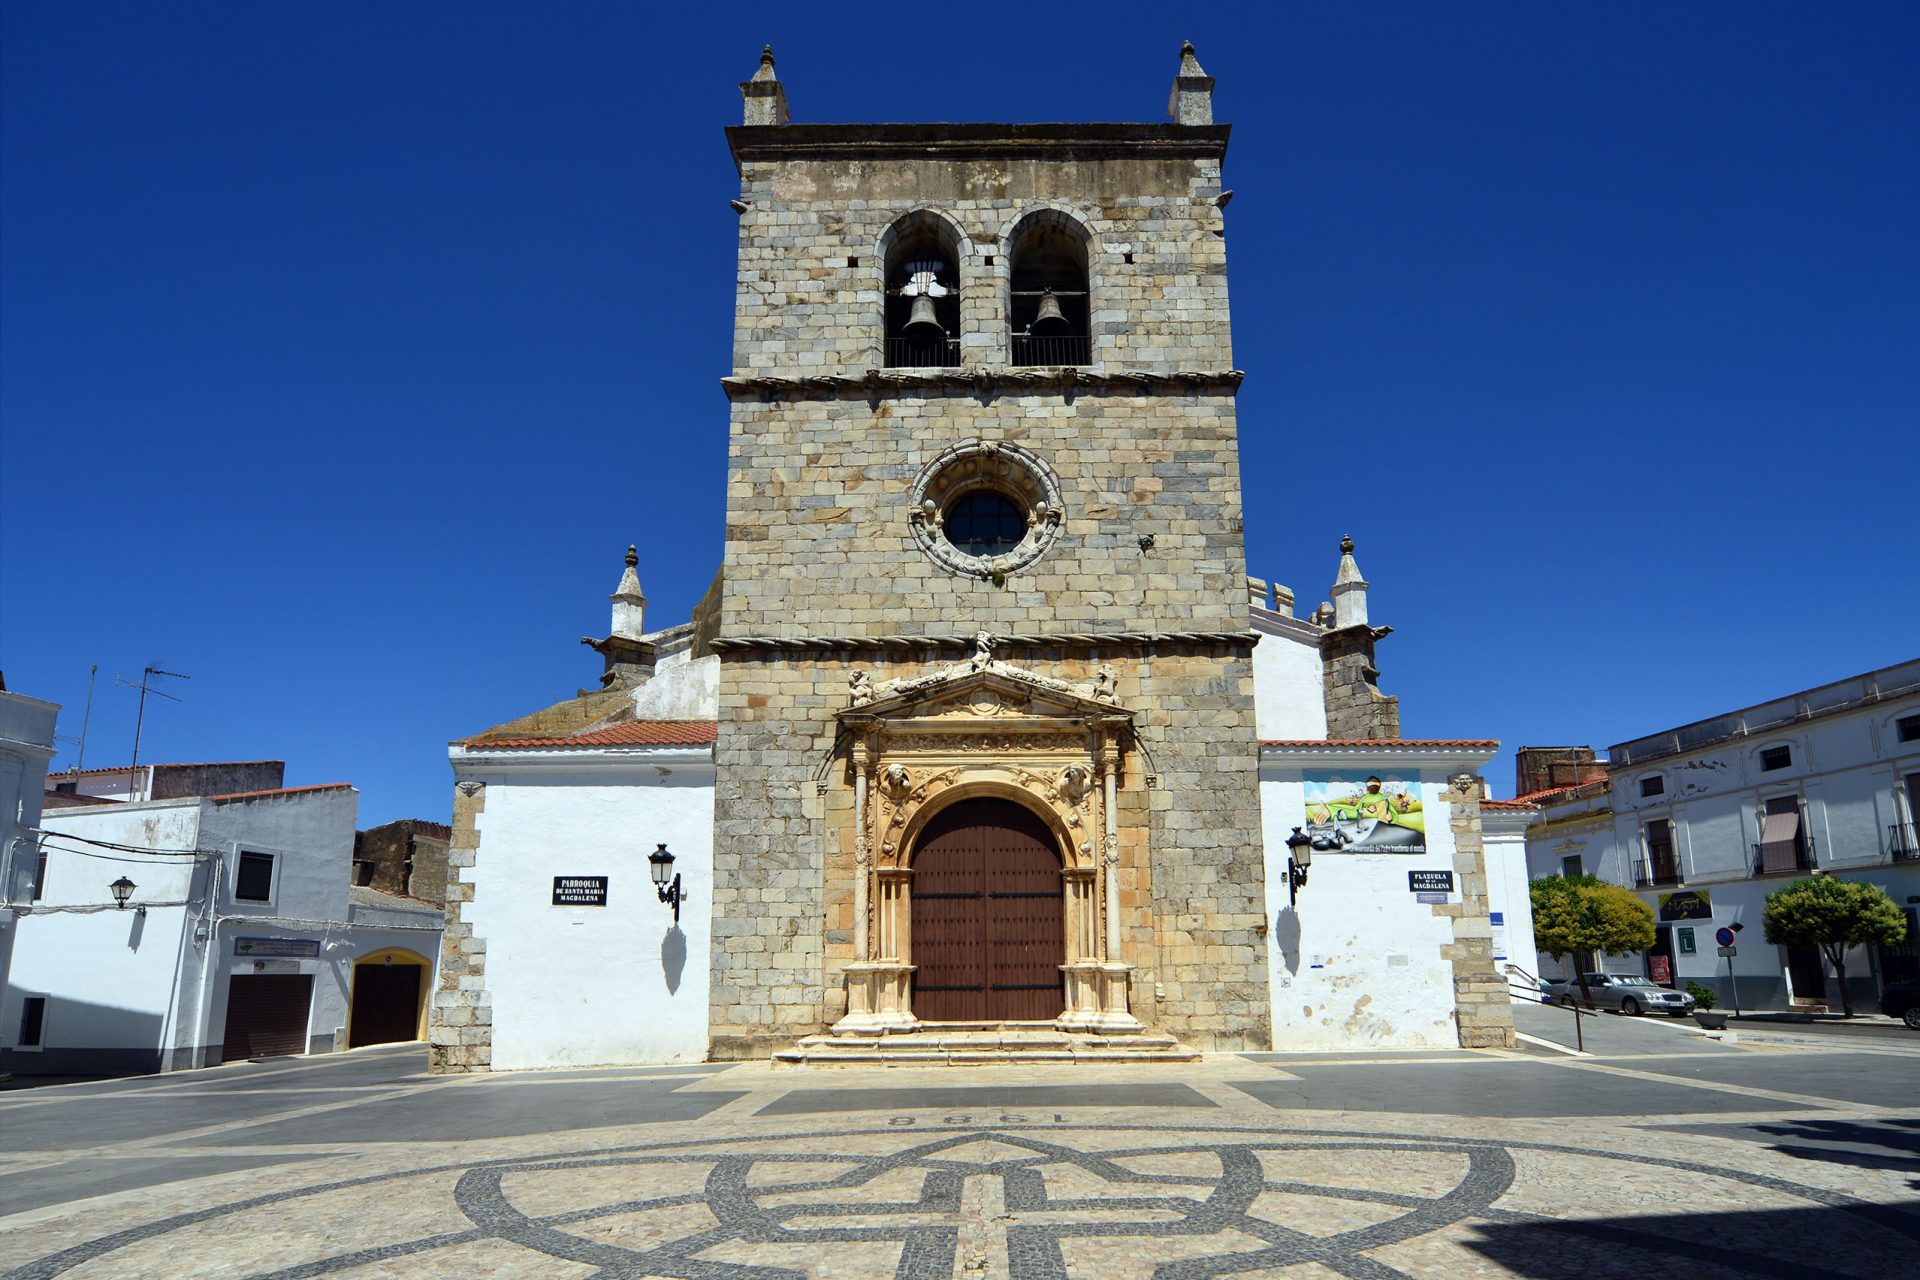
[
  {"x": 1729, "y": 952},
  {"x": 1723, "y": 936}
]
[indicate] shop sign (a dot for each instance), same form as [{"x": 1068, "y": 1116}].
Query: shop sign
[
  {"x": 1689, "y": 904},
  {"x": 1685, "y": 938},
  {"x": 256, "y": 948}
]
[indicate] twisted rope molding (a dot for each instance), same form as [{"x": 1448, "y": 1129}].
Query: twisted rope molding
[
  {"x": 879, "y": 382},
  {"x": 1066, "y": 640}
]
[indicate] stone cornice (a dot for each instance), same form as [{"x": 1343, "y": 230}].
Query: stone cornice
[
  {"x": 842, "y": 142},
  {"x": 1229, "y": 640},
  {"x": 879, "y": 384}
]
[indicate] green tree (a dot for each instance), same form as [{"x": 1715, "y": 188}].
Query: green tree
[
  {"x": 1833, "y": 914},
  {"x": 1572, "y": 914}
]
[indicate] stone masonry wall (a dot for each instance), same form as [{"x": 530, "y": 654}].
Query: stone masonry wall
[
  {"x": 1483, "y": 1009},
  {"x": 460, "y": 1024},
  {"x": 1190, "y": 871},
  {"x": 819, "y": 544},
  {"x": 811, "y": 264}
]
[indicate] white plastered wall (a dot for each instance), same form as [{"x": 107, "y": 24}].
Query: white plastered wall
[
  {"x": 587, "y": 986},
  {"x": 1357, "y": 964},
  {"x": 1289, "y": 693}
]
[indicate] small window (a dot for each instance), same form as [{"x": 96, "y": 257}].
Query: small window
[
  {"x": 1570, "y": 867},
  {"x": 1776, "y": 758},
  {"x": 1654, "y": 786},
  {"x": 1908, "y": 728},
  {"x": 985, "y": 523},
  {"x": 33, "y": 1021},
  {"x": 40, "y": 878},
  {"x": 363, "y": 872},
  {"x": 254, "y": 883}
]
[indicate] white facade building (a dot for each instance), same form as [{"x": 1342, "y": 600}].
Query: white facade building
[
  {"x": 26, "y": 744},
  {"x": 240, "y": 937},
  {"x": 1706, "y": 819}
]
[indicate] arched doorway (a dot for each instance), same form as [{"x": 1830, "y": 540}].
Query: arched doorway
[
  {"x": 988, "y": 917},
  {"x": 387, "y": 1005}
]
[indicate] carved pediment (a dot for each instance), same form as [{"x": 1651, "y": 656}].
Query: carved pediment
[{"x": 999, "y": 692}]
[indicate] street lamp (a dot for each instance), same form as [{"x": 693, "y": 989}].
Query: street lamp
[
  {"x": 122, "y": 890},
  {"x": 665, "y": 879},
  {"x": 1299, "y": 858}
]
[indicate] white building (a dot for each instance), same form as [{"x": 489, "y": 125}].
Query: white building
[
  {"x": 26, "y": 744},
  {"x": 239, "y": 937},
  {"x": 1706, "y": 819}
]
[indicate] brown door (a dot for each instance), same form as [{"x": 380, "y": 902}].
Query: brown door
[
  {"x": 266, "y": 1015},
  {"x": 386, "y": 1004},
  {"x": 989, "y": 932}
]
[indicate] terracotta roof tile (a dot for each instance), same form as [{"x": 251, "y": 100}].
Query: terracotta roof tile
[
  {"x": 1385, "y": 744},
  {"x": 1509, "y": 806},
  {"x": 634, "y": 733},
  {"x": 72, "y": 800},
  {"x": 280, "y": 791}
]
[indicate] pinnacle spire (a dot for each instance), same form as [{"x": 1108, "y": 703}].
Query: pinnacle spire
[
  {"x": 766, "y": 97},
  {"x": 1191, "y": 101},
  {"x": 629, "y": 602},
  {"x": 1349, "y": 590}
]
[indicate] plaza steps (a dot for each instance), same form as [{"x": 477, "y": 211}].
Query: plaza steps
[{"x": 957, "y": 1044}]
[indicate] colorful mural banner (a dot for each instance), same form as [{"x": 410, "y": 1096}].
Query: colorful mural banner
[{"x": 1365, "y": 813}]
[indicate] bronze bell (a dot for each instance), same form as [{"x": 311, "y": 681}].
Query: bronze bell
[
  {"x": 1048, "y": 318},
  {"x": 921, "y": 322}
]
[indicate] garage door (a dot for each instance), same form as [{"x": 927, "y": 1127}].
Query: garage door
[
  {"x": 266, "y": 1015},
  {"x": 386, "y": 1003}
]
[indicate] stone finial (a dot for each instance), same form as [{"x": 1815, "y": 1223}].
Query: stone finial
[
  {"x": 629, "y": 602},
  {"x": 1349, "y": 590},
  {"x": 766, "y": 96},
  {"x": 1191, "y": 101}
]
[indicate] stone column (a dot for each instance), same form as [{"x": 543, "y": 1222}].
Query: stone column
[
  {"x": 1483, "y": 1009},
  {"x": 862, "y": 850}
]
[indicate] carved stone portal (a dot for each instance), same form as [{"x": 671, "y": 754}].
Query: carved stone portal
[{"x": 985, "y": 728}]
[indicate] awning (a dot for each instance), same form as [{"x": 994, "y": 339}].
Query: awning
[{"x": 1779, "y": 841}]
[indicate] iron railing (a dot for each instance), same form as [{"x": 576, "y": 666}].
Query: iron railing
[
  {"x": 1783, "y": 857},
  {"x": 1065, "y": 348},
  {"x": 1659, "y": 871},
  {"x": 923, "y": 353},
  {"x": 1902, "y": 846}
]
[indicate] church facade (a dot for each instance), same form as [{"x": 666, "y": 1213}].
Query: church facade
[{"x": 983, "y": 738}]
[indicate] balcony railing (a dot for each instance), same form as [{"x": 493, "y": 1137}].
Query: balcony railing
[
  {"x": 1783, "y": 857},
  {"x": 1659, "y": 871},
  {"x": 923, "y": 353},
  {"x": 1902, "y": 846},
  {"x": 1063, "y": 348}
]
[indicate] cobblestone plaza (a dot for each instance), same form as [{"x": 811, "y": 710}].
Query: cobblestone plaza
[{"x": 1665, "y": 1154}]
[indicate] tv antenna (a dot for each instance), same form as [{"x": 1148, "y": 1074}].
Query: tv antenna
[
  {"x": 145, "y": 687},
  {"x": 80, "y": 760}
]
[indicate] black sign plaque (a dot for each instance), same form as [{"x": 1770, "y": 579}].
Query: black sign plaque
[
  {"x": 579, "y": 891},
  {"x": 1430, "y": 881}
]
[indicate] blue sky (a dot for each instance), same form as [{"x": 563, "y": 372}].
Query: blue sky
[{"x": 343, "y": 349}]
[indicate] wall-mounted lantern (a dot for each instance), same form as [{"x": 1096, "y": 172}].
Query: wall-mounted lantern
[
  {"x": 122, "y": 890},
  {"x": 665, "y": 879},
  {"x": 1299, "y": 858}
]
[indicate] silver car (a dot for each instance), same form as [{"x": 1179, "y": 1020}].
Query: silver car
[{"x": 1622, "y": 993}]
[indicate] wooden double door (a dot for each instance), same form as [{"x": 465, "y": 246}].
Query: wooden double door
[{"x": 988, "y": 920}]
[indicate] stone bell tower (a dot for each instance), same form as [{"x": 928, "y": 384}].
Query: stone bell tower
[{"x": 986, "y": 749}]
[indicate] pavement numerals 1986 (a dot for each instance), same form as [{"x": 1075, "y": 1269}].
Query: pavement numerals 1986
[{"x": 901, "y": 1122}]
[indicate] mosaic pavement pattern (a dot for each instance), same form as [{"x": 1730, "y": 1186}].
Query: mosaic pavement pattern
[
  {"x": 1674, "y": 1157},
  {"x": 1032, "y": 1201}
]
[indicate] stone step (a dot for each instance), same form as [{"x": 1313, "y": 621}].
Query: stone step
[{"x": 981, "y": 1045}]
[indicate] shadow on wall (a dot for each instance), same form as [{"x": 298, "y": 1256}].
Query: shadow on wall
[
  {"x": 673, "y": 958},
  {"x": 80, "y": 1039},
  {"x": 1286, "y": 935},
  {"x": 1815, "y": 1243}
]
